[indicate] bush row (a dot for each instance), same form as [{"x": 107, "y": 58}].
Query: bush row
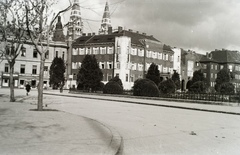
[{"x": 146, "y": 87}]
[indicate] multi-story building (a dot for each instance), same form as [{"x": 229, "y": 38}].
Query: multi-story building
[
  {"x": 216, "y": 60},
  {"x": 26, "y": 68},
  {"x": 189, "y": 64},
  {"x": 124, "y": 53}
]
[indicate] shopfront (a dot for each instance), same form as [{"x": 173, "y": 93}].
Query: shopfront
[{"x": 5, "y": 80}]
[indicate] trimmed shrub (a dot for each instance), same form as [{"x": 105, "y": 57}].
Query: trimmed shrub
[
  {"x": 100, "y": 86},
  {"x": 118, "y": 80},
  {"x": 167, "y": 86},
  {"x": 80, "y": 86},
  {"x": 198, "y": 87},
  {"x": 112, "y": 87},
  {"x": 145, "y": 87},
  {"x": 227, "y": 88}
]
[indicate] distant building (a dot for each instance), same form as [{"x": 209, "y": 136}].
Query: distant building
[
  {"x": 123, "y": 53},
  {"x": 216, "y": 60},
  {"x": 189, "y": 64},
  {"x": 27, "y": 65}
]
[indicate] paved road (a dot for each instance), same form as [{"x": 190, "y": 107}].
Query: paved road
[{"x": 159, "y": 130}]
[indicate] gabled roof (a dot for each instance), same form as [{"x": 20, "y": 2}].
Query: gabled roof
[
  {"x": 226, "y": 56},
  {"x": 222, "y": 56},
  {"x": 110, "y": 38},
  {"x": 95, "y": 39},
  {"x": 167, "y": 47}
]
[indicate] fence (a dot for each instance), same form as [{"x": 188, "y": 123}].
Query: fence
[{"x": 235, "y": 98}]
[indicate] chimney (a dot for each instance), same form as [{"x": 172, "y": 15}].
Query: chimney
[
  {"x": 109, "y": 30},
  {"x": 130, "y": 30},
  {"x": 89, "y": 34},
  {"x": 93, "y": 33},
  {"x": 137, "y": 32},
  {"x": 120, "y": 29},
  {"x": 144, "y": 33},
  {"x": 84, "y": 34}
]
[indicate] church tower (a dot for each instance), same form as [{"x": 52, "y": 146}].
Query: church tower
[
  {"x": 106, "y": 21},
  {"x": 58, "y": 33},
  {"x": 75, "y": 26}
]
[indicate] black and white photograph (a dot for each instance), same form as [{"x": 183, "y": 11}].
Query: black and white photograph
[{"x": 119, "y": 77}]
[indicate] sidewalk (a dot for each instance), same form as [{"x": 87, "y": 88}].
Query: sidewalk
[
  {"x": 26, "y": 131},
  {"x": 194, "y": 105}
]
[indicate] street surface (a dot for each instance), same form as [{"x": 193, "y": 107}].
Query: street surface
[
  {"x": 157, "y": 130},
  {"x": 160, "y": 130}
]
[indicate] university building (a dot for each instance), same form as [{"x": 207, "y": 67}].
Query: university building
[
  {"x": 216, "y": 60},
  {"x": 122, "y": 53}
]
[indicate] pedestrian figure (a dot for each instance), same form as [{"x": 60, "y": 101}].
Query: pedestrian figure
[
  {"x": 28, "y": 88},
  {"x": 61, "y": 88}
]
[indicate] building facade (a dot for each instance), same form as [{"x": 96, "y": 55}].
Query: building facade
[
  {"x": 190, "y": 62},
  {"x": 216, "y": 60},
  {"x": 122, "y": 53},
  {"x": 27, "y": 65}
]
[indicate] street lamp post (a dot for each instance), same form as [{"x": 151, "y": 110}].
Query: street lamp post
[{"x": 145, "y": 46}]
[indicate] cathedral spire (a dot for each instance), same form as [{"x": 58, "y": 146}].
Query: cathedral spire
[
  {"x": 106, "y": 21},
  {"x": 58, "y": 33},
  {"x": 75, "y": 26}
]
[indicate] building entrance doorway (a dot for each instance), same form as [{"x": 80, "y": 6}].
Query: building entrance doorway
[{"x": 33, "y": 83}]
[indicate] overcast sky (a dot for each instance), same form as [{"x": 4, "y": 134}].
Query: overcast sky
[{"x": 200, "y": 25}]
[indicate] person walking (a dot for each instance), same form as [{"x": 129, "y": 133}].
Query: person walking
[{"x": 28, "y": 88}]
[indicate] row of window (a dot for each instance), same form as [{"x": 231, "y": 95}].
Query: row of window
[
  {"x": 237, "y": 76},
  {"x": 237, "y": 85},
  {"x": 131, "y": 66},
  {"x": 23, "y": 69},
  {"x": 230, "y": 67},
  {"x": 95, "y": 51},
  {"x": 215, "y": 76},
  {"x": 131, "y": 78},
  {"x": 237, "y": 68},
  {"x": 35, "y": 54},
  {"x": 134, "y": 51}
]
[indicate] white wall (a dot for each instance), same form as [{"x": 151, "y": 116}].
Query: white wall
[
  {"x": 124, "y": 43},
  {"x": 177, "y": 59}
]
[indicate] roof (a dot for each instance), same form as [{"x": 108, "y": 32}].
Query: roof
[
  {"x": 110, "y": 38},
  {"x": 206, "y": 59},
  {"x": 222, "y": 56},
  {"x": 226, "y": 56},
  {"x": 167, "y": 47}
]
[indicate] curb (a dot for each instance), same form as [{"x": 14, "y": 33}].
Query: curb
[
  {"x": 151, "y": 104},
  {"x": 116, "y": 145}
]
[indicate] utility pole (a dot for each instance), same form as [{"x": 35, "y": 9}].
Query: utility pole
[
  {"x": 113, "y": 59},
  {"x": 144, "y": 58}
]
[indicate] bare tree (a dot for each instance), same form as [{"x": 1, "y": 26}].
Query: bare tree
[
  {"x": 12, "y": 36},
  {"x": 38, "y": 13}
]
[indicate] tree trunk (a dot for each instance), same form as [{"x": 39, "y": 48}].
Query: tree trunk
[
  {"x": 11, "y": 83},
  {"x": 40, "y": 84}
]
